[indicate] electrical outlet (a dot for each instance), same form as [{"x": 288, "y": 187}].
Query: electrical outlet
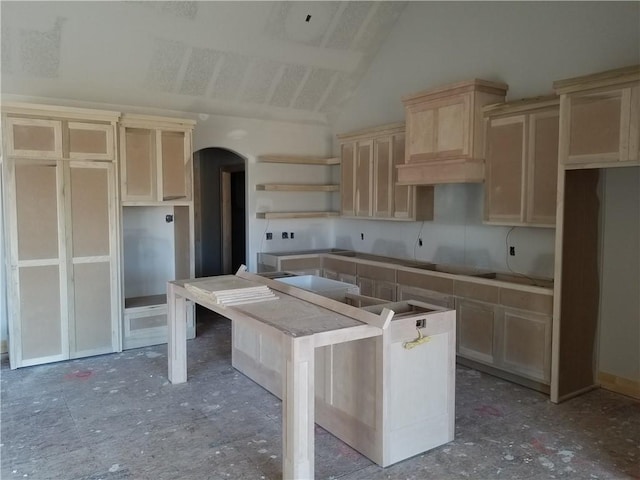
[
  {"x": 285, "y": 235},
  {"x": 512, "y": 251},
  {"x": 269, "y": 236},
  {"x": 291, "y": 235}
]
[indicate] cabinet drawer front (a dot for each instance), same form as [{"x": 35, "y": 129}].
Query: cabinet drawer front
[
  {"x": 376, "y": 272},
  {"x": 534, "y": 302},
  {"x": 299, "y": 263},
  {"x": 35, "y": 138},
  {"x": 91, "y": 141},
  {"x": 340, "y": 266},
  {"x": 477, "y": 291},
  {"x": 425, "y": 281},
  {"x": 426, "y": 296}
]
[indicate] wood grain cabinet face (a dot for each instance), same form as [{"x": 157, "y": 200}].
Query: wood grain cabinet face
[
  {"x": 526, "y": 343},
  {"x": 155, "y": 164},
  {"x": 477, "y": 333},
  {"x": 600, "y": 116},
  {"x": 438, "y": 129},
  {"x": 522, "y": 168},
  {"x": 33, "y": 137},
  {"x": 427, "y": 296},
  {"x": 91, "y": 141},
  {"x": 369, "y": 177}
]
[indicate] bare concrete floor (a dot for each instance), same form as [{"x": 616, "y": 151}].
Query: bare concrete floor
[{"x": 117, "y": 417}]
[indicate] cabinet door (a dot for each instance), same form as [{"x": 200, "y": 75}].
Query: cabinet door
[
  {"x": 505, "y": 169},
  {"x": 348, "y": 179},
  {"x": 597, "y": 128},
  {"x": 37, "y": 316},
  {"x": 402, "y": 194},
  {"x": 93, "y": 325},
  {"x": 634, "y": 130},
  {"x": 175, "y": 158},
  {"x": 542, "y": 168},
  {"x": 526, "y": 344},
  {"x": 477, "y": 335},
  {"x": 382, "y": 177},
  {"x": 33, "y": 138},
  {"x": 91, "y": 141},
  {"x": 438, "y": 129},
  {"x": 138, "y": 164},
  {"x": 364, "y": 179}
]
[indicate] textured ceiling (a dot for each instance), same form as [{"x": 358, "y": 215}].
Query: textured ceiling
[{"x": 282, "y": 60}]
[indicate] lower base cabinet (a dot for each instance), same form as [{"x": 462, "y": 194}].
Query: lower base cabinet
[
  {"x": 146, "y": 324},
  {"x": 509, "y": 339},
  {"x": 387, "y": 402}
]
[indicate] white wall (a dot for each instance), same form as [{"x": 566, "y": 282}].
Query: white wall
[
  {"x": 527, "y": 45},
  {"x": 619, "y": 332},
  {"x": 251, "y": 138}
]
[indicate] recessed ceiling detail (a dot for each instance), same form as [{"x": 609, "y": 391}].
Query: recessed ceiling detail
[{"x": 283, "y": 60}]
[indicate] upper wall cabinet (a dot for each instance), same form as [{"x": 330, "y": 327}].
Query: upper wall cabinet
[
  {"x": 600, "y": 119},
  {"x": 41, "y": 131},
  {"x": 156, "y": 161},
  {"x": 369, "y": 186},
  {"x": 444, "y": 138},
  {"x": 521, "y": 165}
]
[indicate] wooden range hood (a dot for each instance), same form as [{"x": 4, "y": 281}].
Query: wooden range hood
[{"x": 445, "y": 135}]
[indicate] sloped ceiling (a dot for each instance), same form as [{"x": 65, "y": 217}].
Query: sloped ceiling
[{"x": 297, "y": 61}]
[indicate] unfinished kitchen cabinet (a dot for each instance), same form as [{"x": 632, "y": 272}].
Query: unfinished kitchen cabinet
[
  {"x": 377, "y": 281},
  {"x": 521, "y": 165},
  {"x": 340, "y": 269},
  {"x": 477, "y": 331},
  {"x": 157, "y": 248},
  {"x": 444, "y": 133},
  {"x": 369, "y": 177},
  {"x": 156, "y": 160},
  {"x": 62, "y": 236},
  {"x": 600, "y": 118},
  {"x": 39, "y": 131}
]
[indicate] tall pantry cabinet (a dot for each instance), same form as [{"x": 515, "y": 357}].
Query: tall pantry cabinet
[
  {"x": 62, "y": 232},
  {"x": 98, "y": 217}
]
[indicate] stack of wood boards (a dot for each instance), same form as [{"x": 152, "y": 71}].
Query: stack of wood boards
[{"x": 227, "y": 291}]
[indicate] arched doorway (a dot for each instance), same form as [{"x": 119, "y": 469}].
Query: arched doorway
[{"x": 219, "y": 211}]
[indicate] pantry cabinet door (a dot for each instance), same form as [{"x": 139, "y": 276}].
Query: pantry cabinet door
[
  {"x": 93, "y": 281},
  {"x": 37, "y": 323}
]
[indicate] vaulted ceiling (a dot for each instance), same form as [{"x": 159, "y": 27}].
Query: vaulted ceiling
[{"x": 298, "y": 61}]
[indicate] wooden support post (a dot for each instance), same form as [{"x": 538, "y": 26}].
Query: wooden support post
[
  {"x": 298, "y": 417},
  {"x": 177, "y": 338}
]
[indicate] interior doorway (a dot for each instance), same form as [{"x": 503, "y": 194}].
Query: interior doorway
[{"x": 219, "y": 211}]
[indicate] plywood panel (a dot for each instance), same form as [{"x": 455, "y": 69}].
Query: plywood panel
[
  {"x": 451, "y": 131},
  {"x": 29, "y": 137},
  {"x": 527, "y": 344},
  {"x": 421, "y": 132},
  {"x": 89, "y": 141},
  {"x": 383, "y": 177},
  {"x": 37, "y": 211},
  {"x": 595, "y": 125},
  {"x": 505, "y": 167},
  {"x": 347, "y": 182},
  {"x": 183, "y": 243},
  {"x": 364, "y": 178},
  {"x": 40, "y": 314},
  {"x": 139, "y": 162},
  {"x": 476, "y": 331},
  {"x": 92, "y": 307},
  {"x": 90, "y": 211},
  {"x": 478, "y": 291},
  {"x": 174, "y": 165},
  {"x": 401, "y": 193},
  {"x": 425, "y": 281}
]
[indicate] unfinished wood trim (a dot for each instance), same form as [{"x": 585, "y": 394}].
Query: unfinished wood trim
[
  {"x": 618, "y": 76},
  {"x": 56, "y": 111},
  {"x": 476, "y": 291},
  {"x": 348, "y": 179},
  {"x": 425, "y": 280},
  {"x": 525, "y": 105},
  {"x": 155, "y": 121},
  {"x": 368, "y": 133},
  {"x": 299, "y": 160},
  {"x": 225, "y": 210},
  {"x": 291, "y": 187},
  {"x": 271, "y": 215},
  {"x": 457, "y": 88},
  {"x": 615, "y": 383},
  {"x": 625, "y": 123},
  {"x": 183, "y": 235},
  {"x": 103, "y": 151},
  {"x": 51, "y": 149},
  {"x": 453, "y": 170}
]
